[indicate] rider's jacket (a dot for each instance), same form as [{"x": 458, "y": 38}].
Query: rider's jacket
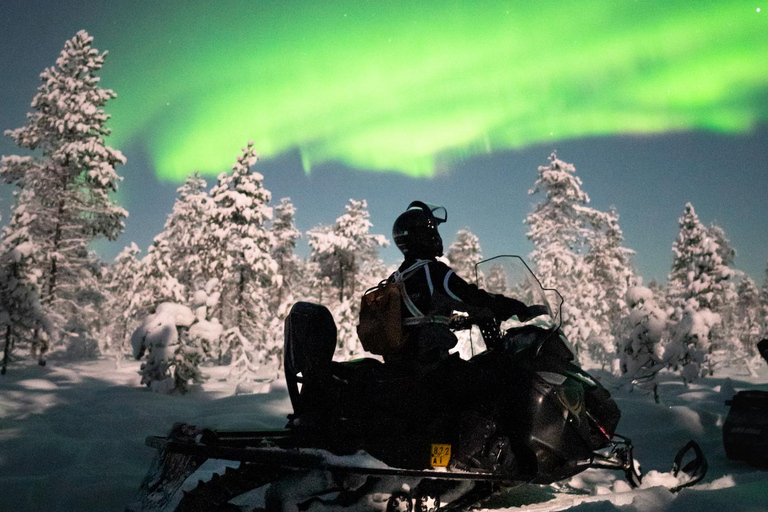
[{"x": 435, "y": 291}]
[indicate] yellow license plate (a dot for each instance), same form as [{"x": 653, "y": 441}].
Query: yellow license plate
[{"x": 441, "y": 454}]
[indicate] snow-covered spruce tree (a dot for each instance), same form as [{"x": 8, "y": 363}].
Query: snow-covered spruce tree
[
  {"x": 496, "y": 280},
  {"x": 464, "y": 253},
  {"x": 246, "y": 361},
  {"x": 284, "y": 235},
  {"x": 313, "y": 286},
  {"x": 70, "y": 181},
  {"x": 155, "y": 282},
  {"x": 660, "y": 295},
  {"x": 172, "y": 357},
  {"x": 725, "y": 339},
  {"x": 640, "y": 349},
  {"x": 207, "y": 330},
  {"x": 340, "y": 250},
  {"x": 764, "y": 306},
  {"x": 611, "y": 275},
  {"x": 746, "y": 321},
  {"x": 120, "y": 285},
  {"x": 20, "y": 311},
  {"x": 560, "y": 227},
  {"x": 241, "y": 251},
  {"x": 187, "y": 359},
  {"x": 186, "y": 233},
  {"x": 346, "y": 316},
  {"x": 696, "y": 286},
  {"x": 177, "y": 263}
]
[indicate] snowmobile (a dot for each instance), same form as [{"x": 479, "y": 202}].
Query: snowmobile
[
  {"x": 380, "y": 438},
  {"x": 745, "y": 431}
]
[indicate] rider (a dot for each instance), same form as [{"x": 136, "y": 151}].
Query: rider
[{"x": 434, "y": 290}]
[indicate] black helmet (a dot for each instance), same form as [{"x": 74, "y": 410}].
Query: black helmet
[{"x": 415, "y": 230}]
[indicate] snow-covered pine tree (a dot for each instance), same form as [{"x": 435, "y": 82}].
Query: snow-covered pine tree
[
  {"x": 69, "y": 183},
  {"x": 20, "y": 311},
  {"x": 696, "y": 286},
  {"x": 639, "y": 350},
  {"x": 340, "y": 250},
  {"x": 560, "y": 227},
  {"x": 611, "y": 275},
  {"x": 464, "y": 253},
  {"x": 241, "y": 250}
]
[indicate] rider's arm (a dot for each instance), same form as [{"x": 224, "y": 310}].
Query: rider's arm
[{"x": 458, "y": 289}]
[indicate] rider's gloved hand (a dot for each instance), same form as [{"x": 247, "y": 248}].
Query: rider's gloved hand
[{"x": 533, "y": 311}]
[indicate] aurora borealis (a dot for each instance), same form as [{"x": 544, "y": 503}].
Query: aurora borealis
[
  {"x": 656, "y": 103},
  {"x": 411, "y": 86}
]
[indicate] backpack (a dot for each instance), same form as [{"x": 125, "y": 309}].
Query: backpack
[{"x": 381, "y": 324}]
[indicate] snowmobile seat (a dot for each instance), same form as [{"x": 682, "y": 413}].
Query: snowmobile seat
[{"x": 762, "y": 347}]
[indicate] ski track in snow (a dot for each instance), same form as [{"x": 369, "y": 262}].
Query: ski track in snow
[{"x": 72, "y": 439}]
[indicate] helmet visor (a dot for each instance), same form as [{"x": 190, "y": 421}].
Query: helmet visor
[{"x": 439, "y": 213}]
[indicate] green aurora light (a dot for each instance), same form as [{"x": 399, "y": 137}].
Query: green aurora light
[{"x": 411, "y": 86}]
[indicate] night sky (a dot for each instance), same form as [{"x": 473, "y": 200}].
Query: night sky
[{"x": 656, "y": 103}]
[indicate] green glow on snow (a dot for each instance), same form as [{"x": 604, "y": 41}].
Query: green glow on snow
[{"x": 409, "y": 86}]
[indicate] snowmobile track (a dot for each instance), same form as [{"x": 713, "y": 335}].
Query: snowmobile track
[{"x": 214, "y": 495}]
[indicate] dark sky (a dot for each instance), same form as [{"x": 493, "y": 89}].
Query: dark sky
[{"x": 655, "y": 103}]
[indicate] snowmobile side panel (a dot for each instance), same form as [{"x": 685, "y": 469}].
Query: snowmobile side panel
[{"x": 745, "y": 431}]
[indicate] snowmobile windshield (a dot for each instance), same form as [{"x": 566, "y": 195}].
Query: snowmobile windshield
[{"x": 510, "y": 276}]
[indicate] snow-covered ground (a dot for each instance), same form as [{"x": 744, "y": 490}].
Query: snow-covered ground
[{"x": 72, "y": 439}]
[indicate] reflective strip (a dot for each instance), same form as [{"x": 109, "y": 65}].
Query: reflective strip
[
  {"x": 448, "y": 290},
  {"x": 427, "y": 320},
  {"x": 429, "y": 281},
  {"x": 412, "y": 309},
  {"x": 399, "y": 277}
]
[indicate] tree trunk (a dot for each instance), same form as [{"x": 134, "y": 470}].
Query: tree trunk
[
  {"x": 240, "y": 301},
  {"x": 55, "y": 249},
  {"x": 7, "y": 350}
]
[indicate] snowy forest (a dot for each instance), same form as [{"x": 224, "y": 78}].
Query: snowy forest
[{"x": 215, "y": 286}]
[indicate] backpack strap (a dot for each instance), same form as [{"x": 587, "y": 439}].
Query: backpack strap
[
  {"x": 400, "y": 277},
  {"x": 418, "y": 318}
]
